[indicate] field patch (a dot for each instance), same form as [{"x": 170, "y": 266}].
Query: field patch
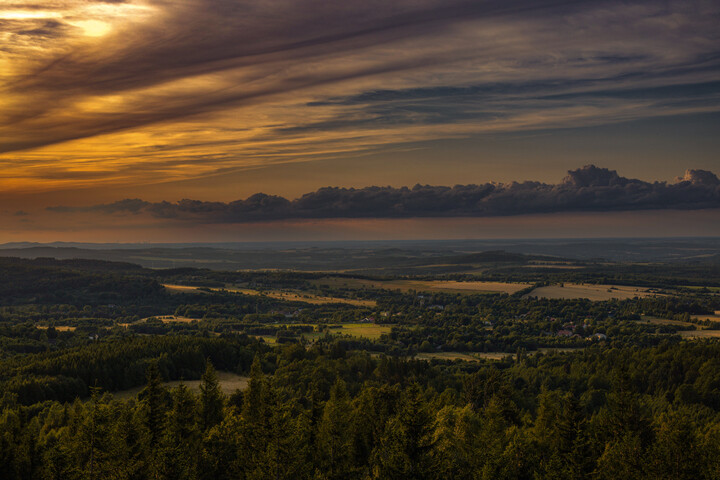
[
  {"x": 466, "y": 357},
  {"x": 476, "y": 356},
  {"x": 287, "y": 295},
  {"x": 182, "y": 288},
  {"x": 713, "y": 318},
  {"x": 174, "y": 319},
  {"x": 699, "y": 333},
  {"x": 294, "y": 296},
  {"x": 370, "y": 331},
  {"x": 229, "y": 382},
  {"x": 663, "y": 321},
  {"x": 591, "y": 291},
  {"x": 61, "y": 328},
  {"x": 445, "y": 286}
]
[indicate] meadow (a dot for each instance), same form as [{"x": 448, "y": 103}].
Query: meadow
[
  {"x": 405, "y": 285},
  {"x": 590, "y": 291},
  {"x": 229, "y": 382},
  {"x": 287, "y": 295},
  {"x": 370, "y": 331}
]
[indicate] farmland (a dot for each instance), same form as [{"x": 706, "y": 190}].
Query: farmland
[
  {"x": 696, "y": 334},
  {"x": 404, "y": 285},
  {"x": 368, "y": 331},
  {"x": 291, "y": 296},
  {"x": 229, "y": 382},
  {"x": 367, "y": 352},
  {"x": 591, "y": 291}
]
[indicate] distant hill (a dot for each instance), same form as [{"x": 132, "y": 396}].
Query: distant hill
[
  {"x": 499, "y": 256},
  {"x": 395, "y": 257}
]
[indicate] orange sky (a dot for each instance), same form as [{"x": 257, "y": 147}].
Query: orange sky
[{"x": 220, "y": 99}]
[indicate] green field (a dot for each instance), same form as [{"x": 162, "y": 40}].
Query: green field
[{"x": 371, "y": 331}]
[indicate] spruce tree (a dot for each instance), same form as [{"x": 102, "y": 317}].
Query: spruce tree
[
  {"x": 181, "y": 441},
  {"x": 406, "y": 448},
  {"x": 334, "y": 439},
  {"x": 211, "y": 398},
  {"x": 153, "y": 398}
]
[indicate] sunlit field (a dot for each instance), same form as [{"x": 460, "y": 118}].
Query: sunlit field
[
  {"x": 290, "y": 296},
  {"x": 590, "y": 291},
  {"x": 445, "y": 286},
  {"x": 229, "y": 382}
]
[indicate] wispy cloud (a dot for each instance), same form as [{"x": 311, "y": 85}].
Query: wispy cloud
[{"x": 193, "y": 87}]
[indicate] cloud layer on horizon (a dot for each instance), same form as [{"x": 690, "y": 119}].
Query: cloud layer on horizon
[{"x": 588, "y": 189}]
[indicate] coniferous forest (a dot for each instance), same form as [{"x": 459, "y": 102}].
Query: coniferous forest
[
  {"x": 112, "y": 371},
  {"x": 359, "y": 240}
]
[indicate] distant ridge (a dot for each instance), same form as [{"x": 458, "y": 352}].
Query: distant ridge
[{"x": 356, "y": 255}]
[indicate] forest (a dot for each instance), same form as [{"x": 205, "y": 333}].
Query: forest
[{"x": 344, "y": 380}]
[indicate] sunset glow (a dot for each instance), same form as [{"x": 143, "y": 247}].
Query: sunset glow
[{"x": 217, "y": 100}]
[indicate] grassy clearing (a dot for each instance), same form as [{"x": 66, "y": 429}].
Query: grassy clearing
[
  {"x": 699, "y": 333},
  {"x": 556, "y": 350},
  {"x": 452, "y": 356},
  {"x": 229, "y": 382},
  {"x": 663, "y": 321},
  {"x": 370, "y": 331},
  {"x": 173, "y": 319},
  {"x": 287, "y": 295},
  {"x": 699, "y": 287},
  {"x": 712, "y": 318},
  {"x": 61, "y": 328},
  {"x": 182, "y": 289},
  {"x": 446, "y": 286},
  {"x": 554, "y": 266},
  {"x": 476, "y": 356},
  {"x": 294, "y": 296},
  {"x": 591, "y": 292},
  {"x": 269, "y": 339}
]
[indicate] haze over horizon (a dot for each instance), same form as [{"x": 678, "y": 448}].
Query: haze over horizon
[{"x": 148, "y": 120}]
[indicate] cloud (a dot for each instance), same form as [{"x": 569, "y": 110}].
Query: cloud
[
  {"x": 587, "y": 189},
  {"x": 128, "y": 205},
  {"x": 401, "y": 63}
]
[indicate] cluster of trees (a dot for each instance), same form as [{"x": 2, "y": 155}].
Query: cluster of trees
[
  {"x": 633, "y": 413},
  {"x": 657, "y": 275},
  {"x": 505, "y": 323},
  {"x": 117, "y": 364}
]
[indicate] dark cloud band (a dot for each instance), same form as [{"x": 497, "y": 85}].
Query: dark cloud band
[{"x": 586, "y": 189}]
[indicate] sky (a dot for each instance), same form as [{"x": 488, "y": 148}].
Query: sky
[{"x": 162, "y": 120}]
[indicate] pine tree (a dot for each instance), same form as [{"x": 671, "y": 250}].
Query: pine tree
[
  {"x": 151, "y": 419},
  {"x": 154, "y": 401},
  {"x": 405, "y": 450},
  {"x": 211, "y": 398},
  {"x": 255, "y": 421},
  {"x": 181, "y": 441},
  {"x": 220, "y": 447},
  {"x": 253, "y": 398},
  {"x": 334, "y": 439},
  {"x": 456, "y": 438}
]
